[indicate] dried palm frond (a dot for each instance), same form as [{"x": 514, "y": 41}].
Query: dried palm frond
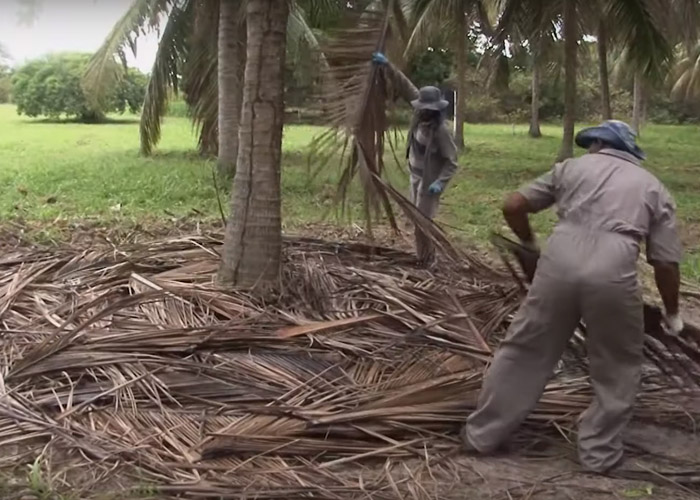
[
  {"x": 355, "y": 99},
  {"x": 128, "y": 360}
]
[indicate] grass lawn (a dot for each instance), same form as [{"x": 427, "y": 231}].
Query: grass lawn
[{"x": 53, "y": 173}]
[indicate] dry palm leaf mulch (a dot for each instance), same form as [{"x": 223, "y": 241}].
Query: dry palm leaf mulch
[{"x": 128, "y": 362}]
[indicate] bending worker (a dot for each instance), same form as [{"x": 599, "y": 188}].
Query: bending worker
[
  {"x": 607, "y": 205},
  {"x": 431, "y": 150}
]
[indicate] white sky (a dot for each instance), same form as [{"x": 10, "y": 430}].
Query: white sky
[{"x": 67, "y": 25}]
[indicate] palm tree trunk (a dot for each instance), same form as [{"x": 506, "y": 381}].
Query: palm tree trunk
[
  {"x": 570, "y": 66},
  {"x": 603, "y": 70},
  {"x": 461, "y": 52},
  {"x": 231, "y": 57},
  {"x": 638, "y": 103},
  {"x": 253, "y": 239},
  {"x": 535, "y": 131}
]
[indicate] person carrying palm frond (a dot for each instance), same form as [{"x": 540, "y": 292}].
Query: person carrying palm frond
[{"x": 431, "y": 150}]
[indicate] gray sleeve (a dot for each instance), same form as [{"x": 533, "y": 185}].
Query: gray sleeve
[
  {"x": 663, "y": 241},
  {"x": 402, "y": 85},
  {"x": 448, "y": 151},
  {"x": 541, "y": 194}
]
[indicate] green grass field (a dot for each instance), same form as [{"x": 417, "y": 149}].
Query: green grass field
[{"x": 53, "y": 173}]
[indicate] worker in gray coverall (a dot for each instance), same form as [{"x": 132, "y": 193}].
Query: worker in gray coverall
[
  {"x": 608, "y": 205},
  {"x": 431, "y": 151}
]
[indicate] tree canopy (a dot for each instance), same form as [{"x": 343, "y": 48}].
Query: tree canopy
[{"x": 51, "y": 86}]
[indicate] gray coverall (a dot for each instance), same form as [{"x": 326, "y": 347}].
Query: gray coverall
[
  {"x": 607, "y": 206},
  {"x": 432, "y": 155}
]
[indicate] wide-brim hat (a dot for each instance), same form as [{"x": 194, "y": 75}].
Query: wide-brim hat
[
  {"x": 430, "y": 98},
  {"x": 614, "y": 133}
]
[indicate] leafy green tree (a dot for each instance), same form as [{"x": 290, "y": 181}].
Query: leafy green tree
[
  {"x": 52, "y": 86},
  {"x": 431, "y": 67}
]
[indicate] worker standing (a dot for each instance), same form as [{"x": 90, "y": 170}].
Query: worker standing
[
  {"x": 431, "y": 150},
  {"x": 607, "y": 205}
]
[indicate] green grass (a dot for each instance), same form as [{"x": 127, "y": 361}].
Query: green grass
[{"x": 57, "y": 172}]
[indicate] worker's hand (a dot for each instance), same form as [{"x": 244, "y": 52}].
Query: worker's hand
[
  {"x": 379, "y": 58},
  {"x": 674, "y": 323},
  {"x": 436, "y": 187}
]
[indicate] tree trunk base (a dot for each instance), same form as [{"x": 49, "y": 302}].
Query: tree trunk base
[{"x": 535, "y": 132}]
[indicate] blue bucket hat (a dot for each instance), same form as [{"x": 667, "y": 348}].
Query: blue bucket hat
[{"x": 614, "y": 133}]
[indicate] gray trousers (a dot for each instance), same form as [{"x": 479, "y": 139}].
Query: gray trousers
[
  {"x": 583, "y": 274},
  {"x": 428, "y": 205}
]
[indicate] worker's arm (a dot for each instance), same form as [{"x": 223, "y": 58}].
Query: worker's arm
[
  {"x": 515, "y": 210},
  {"x": 664, "y": 254},
  {"x": 668, "y": 282},
  {"x": 402, "y": 85},
  {"x": 531, "y": 199}
]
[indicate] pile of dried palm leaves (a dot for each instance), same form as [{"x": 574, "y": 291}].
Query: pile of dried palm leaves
[{"x": 130, "y": 360}]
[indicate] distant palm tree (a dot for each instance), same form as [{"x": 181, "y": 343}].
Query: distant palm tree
[{"x": 640, "y": 26}]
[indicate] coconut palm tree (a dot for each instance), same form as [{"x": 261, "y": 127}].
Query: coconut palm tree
[{"x": 253, "y": 241}]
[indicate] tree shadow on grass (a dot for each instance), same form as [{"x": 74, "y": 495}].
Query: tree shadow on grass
[{"x": 77, "y": 121}]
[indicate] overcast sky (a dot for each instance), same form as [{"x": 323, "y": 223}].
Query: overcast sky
[{"x": 66, "y": 25}]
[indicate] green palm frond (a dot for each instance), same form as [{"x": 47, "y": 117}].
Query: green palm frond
[
  {"x": 299, "y": 29},
  {"x": 199, "y": 79},
  {"x": 641, "y": 26},
  {"x": 431, "y": 20},
  {"x": 102, "y": 73},
  {"x": 172, "y": 51},
  {"x": 685, "y": 16}
]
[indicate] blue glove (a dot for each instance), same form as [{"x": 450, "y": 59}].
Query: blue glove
[
  {"x": 436, "y": 187},
  {"x": 379, "y": 58}
]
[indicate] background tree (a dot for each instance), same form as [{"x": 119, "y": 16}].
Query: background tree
[
  {"x": 253, "y": 240},
  {"x": 51, "y": 86}
]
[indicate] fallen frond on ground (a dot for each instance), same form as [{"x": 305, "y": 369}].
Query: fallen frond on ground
[{"x": 353, "y": 382}]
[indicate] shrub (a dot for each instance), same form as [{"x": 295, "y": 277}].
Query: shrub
[{"x": 52, "y": 86}]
